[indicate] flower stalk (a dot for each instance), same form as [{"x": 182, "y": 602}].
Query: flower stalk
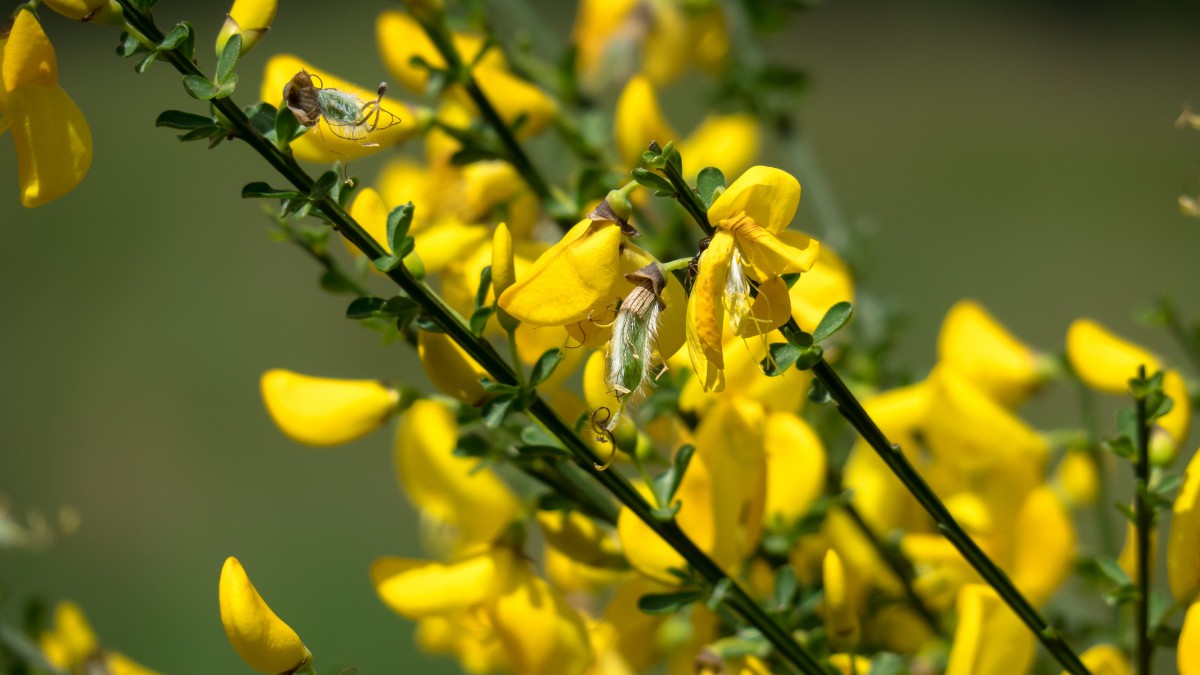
[
  {"x": 486, "y": 355},
  {"x": 1144, "y": 518}
]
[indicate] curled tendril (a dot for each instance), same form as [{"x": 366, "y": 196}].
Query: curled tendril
[{"x": 604, "y": 435}]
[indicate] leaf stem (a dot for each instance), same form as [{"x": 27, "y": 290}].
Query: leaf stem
[
  {"x": 1143, "y": 517},
  {"x": 486, "y": 356}
]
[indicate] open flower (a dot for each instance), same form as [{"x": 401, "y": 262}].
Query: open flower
[
  {"x": 72, "y": 646},
  {"x": 54, "y": 144},
  {"x": 745, "y": 250}
]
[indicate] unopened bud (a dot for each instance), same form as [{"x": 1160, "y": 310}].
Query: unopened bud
[{"x": 250, "y": 19}]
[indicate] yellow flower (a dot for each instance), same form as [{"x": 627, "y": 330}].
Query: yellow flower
[
  {"x": 848, "y": 664},
  {"x": 92, "y": 11},
  {"x": 973, "y": 343},
  {"x": 72, "y": 641},
  {"x": 1076, "y": 477},
  {"x": 728, "y": 142},
  {"x": 795, "y": 468},
  {"x": 1183, "y": 541},
  {"x": 540, "y": 631},
  {"x": 747, "y": 217},
  {"x": 1187, "y": 653},
  {"x": 840, "y": 616},
  {"x": 421, "y": 588},
  {"x": 401, "y": 39},
  {"x": 450, "y": 368},
  {"x": 323, "y": 411},
  {"x": 1104, "y": 361},
  {"x": 261, "y": 638},
  {"x": 580, "y": 537},
  {"x": 472, "y": 502},
  {"x": 1106, "y": 659},
  {"x": 54, "y": 144},
  {"x": 321, "y": 144},
  {"x": 1044, "y": 553},
  {"x": 990, "y": 639},
  {"x": 249, "y": 18}
]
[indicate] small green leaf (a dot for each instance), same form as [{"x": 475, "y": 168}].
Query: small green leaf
[
  {"x": 286, "y": 127},
  {"x": 719, "y": 592},
  {"x": 323, "y": 185},
  {"x": 819, "y": 394},
  {"x": 545, "y": 366},
  {"x": 809, "y": 356},
  {"x": 833, "y": 321},
  {"x": 333, "y": 282},
  {"x": 1126, "y": 511},
  {"x": 229, "y": 58},
  {"x": 176, "y": 37},
  {"x": 199, "y": 88},
  {"x": 485, "y": 285},
  {"x": 495, "y": 410},
  {"x": 262, "y": 117},
  {"x": 647, "y": 178},
  {"x": 128, "y": 46},
  {"x": 178, "y": 119},
  {"x": 361, "y": 308},
  {"x": 479, "y": 319},
  {"x": 782, "y": 356},
  {"x": 227, "y": 86},
  {"x": 667, "y": 484},
  {"x": 668, "y": 603},
  {"x": 398, "y": 223},
  {"x": 673, "y": 158},
  {"x": 145, "y": 62},
  {"x": 1108, "y": 565},
  {"x": 785, "y": 586},
  {"x": 707, "y": 183},
  {"x": 262, "y": 190}
]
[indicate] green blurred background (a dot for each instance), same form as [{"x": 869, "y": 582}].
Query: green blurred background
[{"x": 1019, "y": 153}]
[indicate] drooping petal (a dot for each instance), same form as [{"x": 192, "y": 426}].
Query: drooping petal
[
  {"x": 706, "y": 312},
  {"x": 261, "y": 638},
  {"x": 95, "y": 11},
  {"x": 564, "y": 285},
  {"x": 540, "y": 631},
  {"x": 990, "y": 639},
  {"x": 728, "y": 142},
  {"x": 796, "y": 461},
  {"x": 767, "y": 195},
  {"x": 450, "y": 368},
  {"x": 639, "y": 120},
  {"x": 973, "y": 343},
  {"x": 53, "y": 141},
  {"x": 422, "y": 588},
  {"x": 321, "y": 144},
  {"x": 1183, "y": 541},
  {"x": 447, "y": 487},
  {"x": 249, "y": 18},
  {"x": 1104, "y": 361},
  {"x": 324, "y": 411},
  {"x": 28, "y": 59}
]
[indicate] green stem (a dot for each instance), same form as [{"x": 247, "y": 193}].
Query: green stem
[
  {"x": 435, "y": 28},
  {"x": 516, "y": 357},
  {"x": 685, "y": 195},
  {"x": 486, "y": 356},
  {"x": 891, "y": 455},
  {"x": 1143, "y": 517}
]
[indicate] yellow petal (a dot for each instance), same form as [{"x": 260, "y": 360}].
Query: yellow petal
[
  {"x": 1105, "y": 659},
  {"x": 848, "y": 664},
  {"x": 1104, "y": 361},
  {"x": 579, "y": 537},
  {"x": 28, "y": 59},
  {"x": 516, "y": 99},
  {"x": 261, "y": 638},
  {"x": 542, "y": 634},
  {"x": 401, "y": 181},
  {"x": 645, "y": 550},
  {"x": 249, "y": 18},
  {"x": 638, "y": 120},
  {"x": 569, "y": 280},
  {"x": 1045, "y": 546},
  {"x": 369, "y": 211},
  {"x": 840, "y": 616},
  {"x": 795, "y": 466},
  {"x": 447, "y": 241},
  {"x": 421, "y": 588},
  {"x": 450, "y": 368},
  {"x": 1171, "y": 430},
  {"x": 451, "y": 489},
  {"x": 73, "y": 635},
  {"x": 119, "y": 664},
  {"x": 825, "y": 284},
  {"x": 770, "y": 309},
  {"x": 1183, "y": 541},
  {"x": 706, "y": 312},
  {"x": 1187, "y": 653},
  {"x": 665, "y": 50},
  {"x": 990, "y": 639},
  {"x": 486, "y": 185},
  {"x": 728, "y": 142},
  {"x": 596, "y": 23},
  {"x": 770, "y": 255},
  {"x": 767, "y": 195},
  {"x": 503, "y": 272},
  {"x": 571, "y": 576},
  {"x": 729, "y": 444},
  {"x": 969, "y": 428},
  {"x": 53, "y": 141},
  {"x": 97, "y": 11},
  {"x": 1128, "y": 559},
  {"x": 636, "y": 629},
  {"x": 973, "y": 343},
  {"x": 321, "y": 144},
  {"x": 1077, "y": 478},
  {"x": 324, "y": 411},
  {"x": 709, "y": 38},
  {"x": 401, "y": 39}
]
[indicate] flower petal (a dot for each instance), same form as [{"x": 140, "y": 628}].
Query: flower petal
[
  {"x": 770, "y": 255},
  {"x": 1045, "y": 546},
  {"x": 1104, "y": 361},
  {"x": 728, "y": 142},
  {"x": 767, "y": 195},
  {"x": 990, "y": 639},
  {"x": 772, "y": 307},
  {"x": 401, "y": 39},
  {"x": 53, "y": 141},
  {"x": 541, "y": 632},
  {"x": 639, "y": 120},
  {"x": 973, "y": 343},
  {"x": 706, "y": 312},
  {"x": 825, "y": 284},
  {"x": 795, "y": 466},
  {"x": 422, "y": 588},
  {"x": 261, "y": 638},
  {"x": 28, "y": 59},
  {"x": 1183, "y": 541},
  {"x": 450, "y": 368},
  {"x": 324, "y": 411}
]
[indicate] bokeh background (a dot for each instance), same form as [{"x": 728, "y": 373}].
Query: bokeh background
[{"x": 1019, "y": 153}]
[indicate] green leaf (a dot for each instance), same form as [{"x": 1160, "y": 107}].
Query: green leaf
[
  {"x": 819, "y": 394},
  {"x": 361, "y": 308},
  {"x": 809, "y": 356},
  {"x": 495, "y": 410},
  {"x": 707, "y": 183},
  {"x": 667, "y": 484},
  {"x": 225, "y": 90},
  {"x": 1126, "y": 511},
  {"x": 781, "y": 357},
  {"x": 785, "y": 586},
  {"x": 398, "y": 223},
  {"x": 323, "y": 185},
  {"x": 145, "y": 62},
  {"x": 668, "y": 603},
  {"x": 833, "y": 321},
  {"x": 545, "y": 366},
  {"x": 719, "y": 592},
  {"x": 485, "y": 285},
  {"x": 479, "y": 319},
  {"x": 128, "y": 46},
  {"x": 287, "y": 127},
  {"x": 178, "y": 119},
  {"x": 229, "y": 58},
  {"x": 333, "y": 282},
  {"x": 262, "y": 190},
  {"x": 887, "y": 663},
  {"x": 673, "y": 158},
  {"x": 647, "y": 178},
  {"x": 199, "y": 88},
  {"x": 400, "y": 305},
  {"x": 176, "y": 37},
  {"x": 262, "y": 117},
  {"x": 1111, "y": 569}
]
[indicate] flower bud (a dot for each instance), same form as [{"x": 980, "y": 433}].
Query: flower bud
[
  {"x": 248, "y": 18},
  {"x": 840, "y": 617},
  {"x": 90, "y": 11},
  {"x": 261, "y": 638},
  {"x": 322, "y": 411}
]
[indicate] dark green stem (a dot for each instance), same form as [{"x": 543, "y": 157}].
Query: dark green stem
[
  {"x": 891, "y": 455},
  {"x": 435, "y": 28},
  {"x": 486, "y": 356},
  {"x": 1143, "y": 517},
  {"x": 685, "y": 195}
]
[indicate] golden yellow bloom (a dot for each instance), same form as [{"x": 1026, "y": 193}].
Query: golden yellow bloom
[
  {"x": 990, "y": 639},
  {"x": 747, "y": 218},
  {"x": 261, "y": 638},
  {"x": 323, "y": 411},
  {"x": 504, "y": 273},
  {"x": 1104, "y": 659},
  {"x": 92, "y": 11},
  {"x": 840, "y": 615},
  {"x": 848, "y": 664},
  {"x": 321, "y": 144},
  {"x": 249, "y": 18},
  {"x": 450, "y": 368},
  {"x": 973, "y": 343},
  {"x": 475, "y": 504},
  {"x": 71, "y": 641},
  {"x": 796, "y": 462},
  {"x": 401, "y": 39},
  {"x": 1044, "y": 553},
  {"x": 54, "y": 144},
  {"x": 1076, "y": 477},
  {"x": 420, "y": 588},
  {"x": 1183, "y": 541},
  {"x": 745, "y": 379},
  {"x": 639, "y": 119},
  {"x": 1128, "y": 559},
  {"x": 540, "y": 631},
  {"x": 1187, "y": 653},
  {"x": 1104, "y": 361}
]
